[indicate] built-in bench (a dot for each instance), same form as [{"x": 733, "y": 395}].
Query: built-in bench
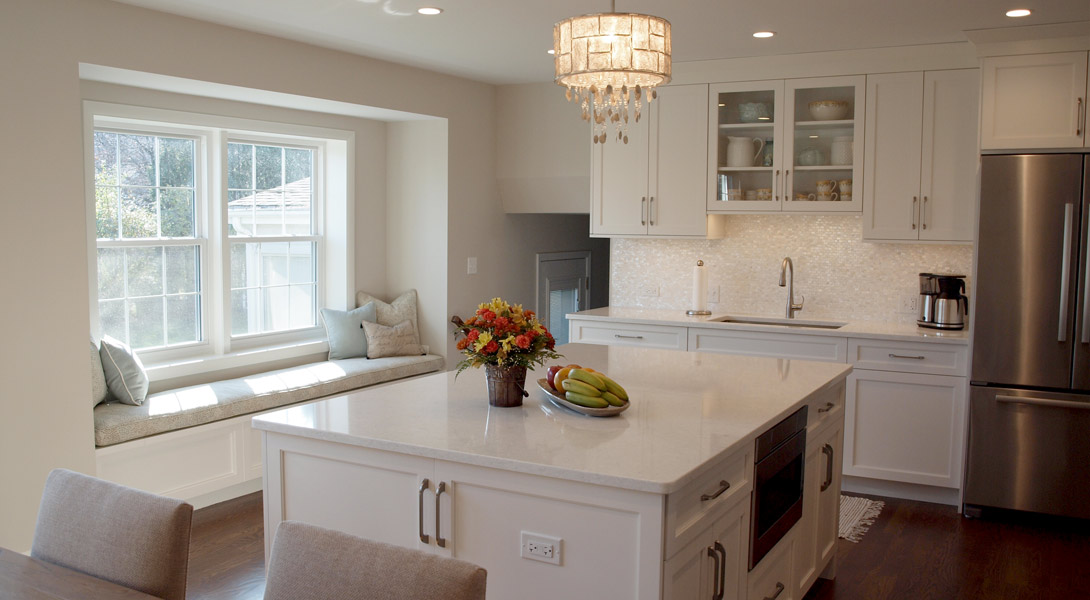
[{"x": 196, "y": 441}]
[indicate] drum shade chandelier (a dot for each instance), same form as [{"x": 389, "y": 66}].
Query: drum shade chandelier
[{"x": 609, "y": 60}]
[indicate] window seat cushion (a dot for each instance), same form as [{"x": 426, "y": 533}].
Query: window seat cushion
[{"x": 199, "y": 404}]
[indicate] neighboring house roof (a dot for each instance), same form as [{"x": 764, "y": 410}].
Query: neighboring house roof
[{"x": 294, "y": 195}]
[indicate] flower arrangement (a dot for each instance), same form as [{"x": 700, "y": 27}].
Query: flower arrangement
[{"x": 503, "y": 335}]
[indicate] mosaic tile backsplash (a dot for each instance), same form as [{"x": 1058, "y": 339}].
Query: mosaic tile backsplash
[{"x": 841, "y": 276}]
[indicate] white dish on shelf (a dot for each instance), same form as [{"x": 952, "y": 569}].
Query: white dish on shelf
[{"x": 828, "y": 110}]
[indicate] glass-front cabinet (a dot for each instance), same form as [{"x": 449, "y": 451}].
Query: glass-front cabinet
[{"x": 793, "y": 145}]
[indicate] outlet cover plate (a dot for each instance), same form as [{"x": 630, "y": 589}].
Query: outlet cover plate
[
  {"x": 544, "y": 548},
  {"x": 649, "y": 291}
]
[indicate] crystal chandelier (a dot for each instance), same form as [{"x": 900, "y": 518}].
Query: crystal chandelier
[{"x": 610, "y": 59}]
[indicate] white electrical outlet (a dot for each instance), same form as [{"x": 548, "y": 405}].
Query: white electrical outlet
[
  {"x": 540, "y": 547},
  {"x": 650, "y": 291},
  {"x": 713, "y": 294},
  {"x": 908, "y": 303},
  {"x": 471, "y": 265}
]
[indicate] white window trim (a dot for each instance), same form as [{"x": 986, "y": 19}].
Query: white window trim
[{"x": 335, "y": 254}]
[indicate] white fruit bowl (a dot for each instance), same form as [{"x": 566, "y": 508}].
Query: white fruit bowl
[
  {"x": 559, "y": 400},
  {"x": 828, "y": 110}
]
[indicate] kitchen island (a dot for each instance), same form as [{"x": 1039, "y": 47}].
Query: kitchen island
[{"x": 652, "y": 503}]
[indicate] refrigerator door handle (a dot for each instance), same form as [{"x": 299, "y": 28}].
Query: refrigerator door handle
[
  {"x": 1065, "y": 271},
  {"x": 1086, "y": 297},
  {"x": 1042, "y": 402}
]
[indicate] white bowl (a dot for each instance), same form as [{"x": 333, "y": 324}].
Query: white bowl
[{"x": 828, "y": 110}]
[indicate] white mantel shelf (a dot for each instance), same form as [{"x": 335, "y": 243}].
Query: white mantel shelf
[
  {"x": 687, "y": 410},
  {"x": 878, "y": 330}
]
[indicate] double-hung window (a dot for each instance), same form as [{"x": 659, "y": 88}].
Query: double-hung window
[{"x": 207, "y": 239}]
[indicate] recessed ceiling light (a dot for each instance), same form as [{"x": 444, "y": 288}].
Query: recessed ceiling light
[
  {"x": 764, "y": 34},
  {"x": 813, "y": 137},
  {"x": 764, "y": 118},
  {"x": 428, "y": 10},
  {"x": 550, "y": 51},
  {"x": 1019, "y": 12}
]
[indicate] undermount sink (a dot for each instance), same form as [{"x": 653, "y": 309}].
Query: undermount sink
[{"x": 773, "y": 321}]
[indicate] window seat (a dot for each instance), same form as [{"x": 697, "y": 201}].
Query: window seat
[{"x": 182, "y": 408}]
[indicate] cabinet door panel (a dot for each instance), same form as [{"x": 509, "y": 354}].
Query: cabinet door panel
[
  {"x": 677, "y": 185},
  {"x": 731, "y": 531},
  {"x": 891, "y": 181},
  {"x": 950, "y": 155},
  {"x": 688, "y": 575},
  {"x": 905, "y": 427},
  {"x": 1033, "y": 101},
  {"x": 828, "y": 513},
  {"x": 619, "y": 182}
]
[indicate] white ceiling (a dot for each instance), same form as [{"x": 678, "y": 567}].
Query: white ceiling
[{"x": 504, "y": 41}]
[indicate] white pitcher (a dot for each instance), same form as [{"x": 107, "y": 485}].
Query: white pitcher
[{"x": 739, "y": 148}]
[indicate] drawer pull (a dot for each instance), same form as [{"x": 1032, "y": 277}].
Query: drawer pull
[
  {"x": 717, "y": 576},
  {"x": 628, "y": 337},
  {"x": 892, "y": 355},
  {"x": 439, "y": 540},
  {"x": 723, "y": 486},
  {"x": 420, "y": 511},
  {"x": 828, "y": 406},
  {"x": 827, "y": 450},
  {"x": 779, "y": 590}
]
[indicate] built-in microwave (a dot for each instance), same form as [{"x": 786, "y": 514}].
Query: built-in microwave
[{"x": 779, "y": 458}]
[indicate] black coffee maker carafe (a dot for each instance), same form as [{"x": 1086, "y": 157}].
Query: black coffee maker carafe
[{"x": 948, "y": 305}]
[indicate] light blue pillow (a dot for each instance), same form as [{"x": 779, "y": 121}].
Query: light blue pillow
[
  {"x": 345, "y": 330},
  {"x": 125, "y": 375}
]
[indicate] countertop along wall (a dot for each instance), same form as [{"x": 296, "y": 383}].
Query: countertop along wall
[{"x": 841, "y": 276}]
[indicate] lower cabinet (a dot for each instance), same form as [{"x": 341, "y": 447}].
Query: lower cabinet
[
  {"x": 714, "y": 564},
  {"x": 815, "y": 544},
  {"x": 906, "y": 427}
]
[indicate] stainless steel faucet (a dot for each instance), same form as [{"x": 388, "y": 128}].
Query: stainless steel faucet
[{"x": 787, "y": 277}]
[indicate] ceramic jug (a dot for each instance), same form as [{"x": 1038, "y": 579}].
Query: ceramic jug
[{"x": 740, "y": 151}]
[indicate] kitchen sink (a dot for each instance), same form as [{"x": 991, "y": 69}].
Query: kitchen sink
[{"x": 773, "y": 321}]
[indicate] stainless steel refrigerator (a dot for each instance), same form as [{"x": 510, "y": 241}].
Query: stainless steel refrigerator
[{"x": 1029, "y": 420}]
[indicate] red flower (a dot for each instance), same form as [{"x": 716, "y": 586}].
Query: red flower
[
  {"x": 473, "y": 335},
  {"x": 551, "y": 343},
  {"x": 502, "y": 322},
  {"x": 488, "y": 315},
  {"x": 523, "y": 341},
  {"x": 490, "y": 347},
  {"x": 529, "y": 314},
  {"x": 462, "y": 343}
]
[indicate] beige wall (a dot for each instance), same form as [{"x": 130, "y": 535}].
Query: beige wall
[{"x": 47, "y": 419}]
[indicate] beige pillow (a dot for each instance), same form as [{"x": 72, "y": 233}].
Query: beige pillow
[
  {"x": 401, "y": 309},
  {"x": 399, "y": 340}
]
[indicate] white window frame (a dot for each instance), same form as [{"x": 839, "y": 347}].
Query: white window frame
[{"x": 218, "y": 349}]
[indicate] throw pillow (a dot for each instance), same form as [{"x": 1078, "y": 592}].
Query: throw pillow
[
  {"x": 345, "y": 331},
  {"x": 125, "y": 375},
  {"x": 399, "y": 340},
  {"x": 99, "y": 391},
  {"x": 401, "y": 309}
]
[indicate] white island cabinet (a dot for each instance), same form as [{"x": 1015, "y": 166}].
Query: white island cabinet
[{"x": 652, "y": 503}]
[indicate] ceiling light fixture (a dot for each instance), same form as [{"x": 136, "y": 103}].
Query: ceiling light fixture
[
  {"x": 764, "y": 34},
  {"x": 1019, "y": 12},
  {"x": 607, "y": 59},
  {"x": 428, "y": 10}
]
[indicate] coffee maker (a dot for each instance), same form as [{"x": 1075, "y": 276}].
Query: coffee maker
[{"x": 943, "y": 304}]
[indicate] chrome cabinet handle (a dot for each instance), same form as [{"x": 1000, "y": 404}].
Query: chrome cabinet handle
[
  {"x": 913, "y": 357},
  {"x": 1043, "y": 402},
  {"x": 723, "y": 571},
  {"x": 923, "y": 214},
  {"x": 420, "y": 511},
  {"x": 1078, "y": 117},
  {"x": 779, "y": 590},
  {"x": 828, "y": 451},
  {"x": 828, "y": 406},
  {"x": 442, "y": 487},
  {"x": 777, "y": 184},
  {"x": 627, "y": 337},
  {"x": 716, "y": 592},
  {"x": 914, "y": 201},
  {"x": 651, "y": 211},
  {"x": 643, "y": 210},
  {"x": 723, "y": 486},
  {"x": 1065, "y": 271}
]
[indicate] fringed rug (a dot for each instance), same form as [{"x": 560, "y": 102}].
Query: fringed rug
[{"x": 857, "y": 515}]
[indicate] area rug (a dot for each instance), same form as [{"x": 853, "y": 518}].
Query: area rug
[{"x": 857, "y": 515}]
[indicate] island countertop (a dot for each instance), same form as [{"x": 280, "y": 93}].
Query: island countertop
[{"x": 687, "y": 409}]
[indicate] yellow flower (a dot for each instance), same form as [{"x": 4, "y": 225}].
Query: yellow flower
[
  {"x": 507, "y": 343},
  {"x": 482, "y": 341}
]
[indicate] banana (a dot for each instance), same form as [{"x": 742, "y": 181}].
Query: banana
[
  {"x": 612, "y": 399},
  {"x": 582, "y": 400},
  {"x": 614, "y": 387},
  {"x": 579, "y": 387},
  {"x": 590, "y": 378}
]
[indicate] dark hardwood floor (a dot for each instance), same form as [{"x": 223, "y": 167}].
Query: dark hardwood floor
[{"x": 914, "y": 551}]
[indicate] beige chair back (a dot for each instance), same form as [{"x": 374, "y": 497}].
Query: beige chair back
[
  {"x": 313, "y": 563},
  {"x": 129, "y": 537}
]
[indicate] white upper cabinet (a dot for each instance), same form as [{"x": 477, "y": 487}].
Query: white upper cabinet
[
  {"x": 1034, "y": 101},
  {"x": 921, "y": 156},
  {"x": 655, "y": 185},
  {"x": 786, "y": 145}
]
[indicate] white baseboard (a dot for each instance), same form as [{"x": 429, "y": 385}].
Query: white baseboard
[
  {"x": 896, "y": 489},
  {"x": 228, "y": 493}
]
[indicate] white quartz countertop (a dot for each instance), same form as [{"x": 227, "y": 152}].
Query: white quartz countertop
[
  {"x": 851, "y": 329},
  {"x": 687, "y": 409}
]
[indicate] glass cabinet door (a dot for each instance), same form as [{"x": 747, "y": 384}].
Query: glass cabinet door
[
  {"x": 824, "y": 144},
  {"x": 745, "y": 161}
]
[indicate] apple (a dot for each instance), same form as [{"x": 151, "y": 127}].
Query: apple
[{"x": 550, "y": 374}]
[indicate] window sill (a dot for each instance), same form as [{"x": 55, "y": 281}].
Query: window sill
[{"x": 182, "y": 367}]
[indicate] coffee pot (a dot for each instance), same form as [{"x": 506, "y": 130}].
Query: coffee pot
[{"x": 943, "y": 304}]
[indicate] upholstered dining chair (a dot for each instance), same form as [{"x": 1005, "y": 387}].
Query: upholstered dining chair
[
  {"x": 314, "y": 563},
  {"x": 132, "y": 538}
]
